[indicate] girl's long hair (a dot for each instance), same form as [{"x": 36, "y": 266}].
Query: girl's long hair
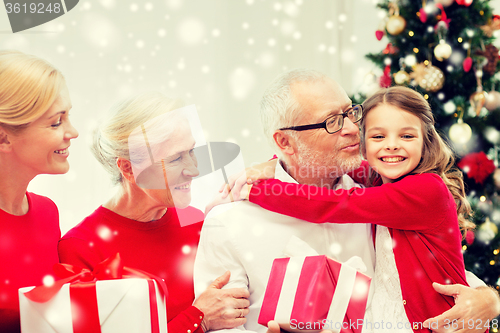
[{"x": 437, "y": 156}]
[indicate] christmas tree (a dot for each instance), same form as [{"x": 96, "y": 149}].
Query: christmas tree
[{"x": 444, "y": 49}]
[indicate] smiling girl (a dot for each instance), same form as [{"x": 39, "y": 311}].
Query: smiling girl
[
  {"x": 414, "y": 164},
  {"x": 35, "y": 135}
]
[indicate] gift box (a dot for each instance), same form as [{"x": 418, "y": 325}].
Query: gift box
[
  {"x": 314, "y": 293},
  {"x": 88, "y": 305}
]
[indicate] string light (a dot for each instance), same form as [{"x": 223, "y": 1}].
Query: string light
[
  {"x": 426, "y": 62},
  {"x": 415, "y": 50},
  {"x": 460, "y": 39},
  {"x": 495, "y": 252},
  {"x": 411, "y": 33},
  {"x": 464, "y": 248},
  {"x": 482, "y": 198},
  {"x": 426, "y": 96},
  {"x": 492, "y": 262}
]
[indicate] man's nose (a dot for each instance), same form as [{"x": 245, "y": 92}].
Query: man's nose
[{"x": 349, "y": 127}]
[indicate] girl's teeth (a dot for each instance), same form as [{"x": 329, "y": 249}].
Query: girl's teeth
[
  {"x": 62, "y": 151},
  {"x": 185, "y": 187},
  {"x": 392, "y": 159}
]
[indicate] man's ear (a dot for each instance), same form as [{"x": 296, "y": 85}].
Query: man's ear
[
  {"x": 285, "y": 142},
  {"x": 125, "y": 167},
  {"x": 5, "y": 144}
]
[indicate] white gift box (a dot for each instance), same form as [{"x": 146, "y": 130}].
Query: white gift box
[{"x": 124, "y": 306}]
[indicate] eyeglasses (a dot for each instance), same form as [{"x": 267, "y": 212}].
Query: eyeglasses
[{"x": 334, "y": 123}]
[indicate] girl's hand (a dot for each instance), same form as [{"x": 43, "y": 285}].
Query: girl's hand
[
  {"x": 223, "y": 308},
  {"x": 234, "y": 195},
  {"x": 247, "y": 177}
]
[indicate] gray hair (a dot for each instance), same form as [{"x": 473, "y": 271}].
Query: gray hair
[
  {"x": 278, "y": 107},
  {"x": 111, "y": 138}
]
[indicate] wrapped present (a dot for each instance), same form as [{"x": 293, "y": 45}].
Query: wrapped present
[
  {"x": 314, "y": 293},
  {"x": 111, "y": 299}
]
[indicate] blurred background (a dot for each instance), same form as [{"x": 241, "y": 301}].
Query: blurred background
[{"x": 221, "y": 54}]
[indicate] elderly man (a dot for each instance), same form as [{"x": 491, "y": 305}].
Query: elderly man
[{"x": 245, "y": 239}]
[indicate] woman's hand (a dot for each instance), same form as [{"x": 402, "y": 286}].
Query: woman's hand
[
  {"x": 223, "y": 308},
  {"x": 248, "y": 176}
]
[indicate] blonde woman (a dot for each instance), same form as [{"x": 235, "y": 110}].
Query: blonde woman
[
  {"x": 147, "y": 146},
  {"x": 35, "y": 134}
]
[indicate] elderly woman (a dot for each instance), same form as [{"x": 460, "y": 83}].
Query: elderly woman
[
  {"x": 35, "y": 135},
  {"x": 147, "y": 146}
]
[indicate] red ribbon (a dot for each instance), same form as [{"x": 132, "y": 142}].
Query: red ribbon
[
  {"x": 444, "y": 18},
  {"x": 83, "y": 291}
]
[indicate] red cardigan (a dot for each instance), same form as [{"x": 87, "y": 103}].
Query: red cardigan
[
  {"x": 28, "y": 250},
  {"x": 421, "y": 215},
  {"x": 163, "y": 248}
]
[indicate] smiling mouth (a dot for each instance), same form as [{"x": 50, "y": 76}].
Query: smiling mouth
[
  {"x": 393, "y": 159},
  {"x": 183, "y": 187},
  {"x": 352, "y": 146},
  {"x": 61, "y": 151}
]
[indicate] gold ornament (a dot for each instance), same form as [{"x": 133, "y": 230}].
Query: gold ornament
[
  {"x": 401, "y": 77},
  {"x": 487, "y": 231},
  {"x": 442, "y": 50},
  {"x": 460, "y": 132},
  {"x": 445, "y": 3},
  {"x": 428, "y": 77},
  {"x": 492, "y": 101},
  {"x": 477, "y": 100},
  {"x": 395, "y": 25},
  {"x": 490, "y": 27},
  {"x": 496, "y": 177}
]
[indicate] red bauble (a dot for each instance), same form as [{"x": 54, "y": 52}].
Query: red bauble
[
  {"x": 466, "y": 3},
  {"x": 379, "y": 34},
  {"x": 386, "y": 80},
  {"x": 477, "y": 166},
  {"x": 469, "y": 237},
  {"x": 467, "y": 64}
]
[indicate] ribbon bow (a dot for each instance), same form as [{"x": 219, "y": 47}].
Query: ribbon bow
[{"x": 110, "y": 269}]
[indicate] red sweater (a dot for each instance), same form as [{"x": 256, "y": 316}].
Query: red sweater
[
  {"x": 420, "y": 213},
  {"x": 161, "y": 247},
  {"x": 28, "y": 250}
]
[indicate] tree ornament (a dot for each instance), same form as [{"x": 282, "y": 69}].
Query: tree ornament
[
  {"x": 390, "y": 49},
  {"x": 401, "y": 77},
  {"x": 478, "y": 99},
  {"x": 469, "y": 237},
  {"x": 491, "y": 26},
  {"x": 445, "y": 3},
  {"x": 465, "y": 3},
  {"x": 460, "y": 132},
  {"x": 385, "y": 80},
  {"x": 477, "y": 166},
  {"x": 487, "y": 231},
  {"x": 428, "y": 77},
  {"x": 442, "y": 50},
  {"x": 467, "y": 64},
  {"x": 496, "y": 178},
  {"x": 379, "y": 34},
  {"x": 396, "y": 23},
  {"x": 492, "y": 101},
  {"x": 491, "y": 54}
]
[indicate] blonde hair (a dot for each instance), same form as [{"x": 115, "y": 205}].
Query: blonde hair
[
  {"x": 437, "y": 156},
  {"x": 111, "y": 138},
  {"x": 28, "y": 87}
]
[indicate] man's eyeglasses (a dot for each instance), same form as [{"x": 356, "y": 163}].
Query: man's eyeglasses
[{"x": 334, "y": 123}]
